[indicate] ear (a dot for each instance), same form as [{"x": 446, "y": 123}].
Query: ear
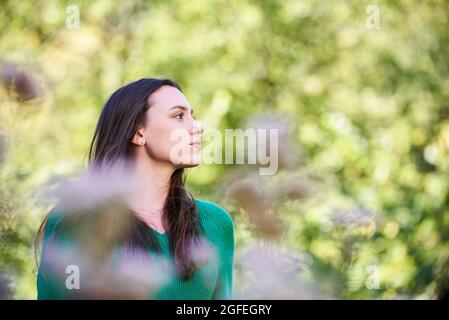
[{"x": 139, "y": 137}]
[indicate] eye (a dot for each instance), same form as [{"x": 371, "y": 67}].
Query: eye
[{"x": 179, "y": 116}]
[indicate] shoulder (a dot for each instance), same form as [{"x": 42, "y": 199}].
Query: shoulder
[
  {"x": 61, "y": 223},
  {"x": 214, "y": 218},
  {"x": 212, "y": 211},
  {"x": 54, "y": 221}
]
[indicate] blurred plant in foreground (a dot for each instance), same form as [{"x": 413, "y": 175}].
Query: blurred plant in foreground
[
  {"x": 92, "y": 219},
  {"x": 267, "y": 270}
]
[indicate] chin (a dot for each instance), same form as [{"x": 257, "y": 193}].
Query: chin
[
  {"x": 194, "y": 161},
  {"x": 188, "y": 159}
]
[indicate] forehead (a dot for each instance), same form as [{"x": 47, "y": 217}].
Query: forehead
[{"x": 167, "y": 97}]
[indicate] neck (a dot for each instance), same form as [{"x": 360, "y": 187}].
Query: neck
[{"x": 152, "y": 181}]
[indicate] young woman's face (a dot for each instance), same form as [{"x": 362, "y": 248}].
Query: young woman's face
[{"x": 170, "y": 132}]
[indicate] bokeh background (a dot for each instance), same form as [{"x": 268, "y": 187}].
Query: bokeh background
[{"x": 359, "y": 208}]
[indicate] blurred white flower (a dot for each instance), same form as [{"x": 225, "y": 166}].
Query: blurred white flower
[{"x": 272, "y": 271}]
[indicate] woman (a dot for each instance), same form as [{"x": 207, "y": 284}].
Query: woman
[{"x": 136, "y": 127}]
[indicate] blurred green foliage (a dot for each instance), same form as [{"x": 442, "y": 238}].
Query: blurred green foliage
[{"x": 370, "y": 109}]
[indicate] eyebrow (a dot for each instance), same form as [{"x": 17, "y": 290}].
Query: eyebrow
[{"x": 182, "y": 107}]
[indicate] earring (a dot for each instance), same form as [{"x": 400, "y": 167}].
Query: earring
[{"x": 142, "y": 142}]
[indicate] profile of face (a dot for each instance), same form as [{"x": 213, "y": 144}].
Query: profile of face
[{"x": 170, "y": 133}]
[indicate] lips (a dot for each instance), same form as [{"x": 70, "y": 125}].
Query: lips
[{"x": 195, "y": 144}]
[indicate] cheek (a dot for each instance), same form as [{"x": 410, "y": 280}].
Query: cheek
[
  {"x": 165, "y": 137},
  {"x": 159, "y": 142}
]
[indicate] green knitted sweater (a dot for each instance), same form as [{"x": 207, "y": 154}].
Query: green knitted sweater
[{"x": 212, "y": 280}]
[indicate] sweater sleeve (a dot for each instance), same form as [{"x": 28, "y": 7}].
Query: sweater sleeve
[
  {"x": 221, "y": 228},
  {"x": 224, "y": 287}
]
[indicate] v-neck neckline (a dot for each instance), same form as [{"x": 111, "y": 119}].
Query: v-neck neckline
[{"x": 158, "y": 233}]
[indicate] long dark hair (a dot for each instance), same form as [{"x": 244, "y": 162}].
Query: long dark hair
[{"x": 120, "y": 118}]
